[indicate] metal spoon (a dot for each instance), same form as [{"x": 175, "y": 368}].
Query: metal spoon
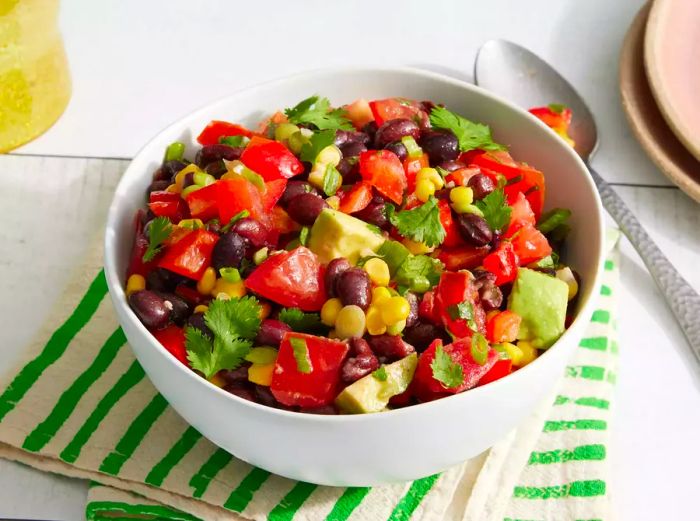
[{"x": 523, "y": 77}]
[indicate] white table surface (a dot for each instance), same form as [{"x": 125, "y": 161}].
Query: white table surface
[{"x": 137, "y": 66}]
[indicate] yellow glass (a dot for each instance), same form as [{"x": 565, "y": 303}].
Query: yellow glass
[{"x": 34, "y": 79}]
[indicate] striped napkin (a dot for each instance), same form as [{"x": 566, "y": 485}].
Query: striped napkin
[{"x": 81, "y": 405}]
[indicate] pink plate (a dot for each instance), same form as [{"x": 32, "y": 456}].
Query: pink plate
[{"x": 672, "y": 60}]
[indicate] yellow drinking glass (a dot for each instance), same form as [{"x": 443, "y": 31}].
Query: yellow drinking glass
[{"x": 34, "y": 80}]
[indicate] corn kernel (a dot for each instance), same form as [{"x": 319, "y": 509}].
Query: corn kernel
[
  {"x": 231, "y": 289},
  {"x": 201, "y": 308},
  {"x": 462, "y": 195},
  {"x": 379, "y": 295},
  {"x": 205, "y": 285},
  {"x": 378, "y": 271},
  {"x": 513, "y": 352},
  {"x": 261, "y": 374},
  {"x": 394, "y": 310},
  {"x": 329, "y": 311},
  {"x": 396, "y": 329},
  {"x": 424, "y": 189},
  {"x": 375, "y": 324},
  {"x": 265, "y": 310},
  {"x": 529, "y": 352},
  {"x": 566, "y": 275},
  {"x": 430, "y": 174},
  {"x": 416, "y": 248},
  {"x": 135, "y": 283},
  {"x": 350, "y": 322},
  {"x": 217, "y": 380}
]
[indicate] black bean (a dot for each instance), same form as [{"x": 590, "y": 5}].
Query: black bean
[
  {"x": 304, "y": 208},
  {"x": 481, "y": 185},
  {"x": 333, "y": 270},
  {"x": 412, "y": 299},
  {"x": 348, "y": 167},
  {"x": 421, "y": 334},
  {"x": 359, "y": 346},
  {"x": 170, "y": 169},
  {"x": 356, "y": 367},
  {"x": 343, "y": 137},
  {"x": 394, "y": 130},
  {"x": 390, "y": 348},
  {"x": 217, "y": 169},
  {"x": 158, "y": 186},
  {"x": 161, "y": 279},
  {"x": 229, "y": 251},
  {"x": 242, "y": 391},
  {"x": 188, "y": 180},
  {"x": 451, "y": 165},
  {"x": 150, "y": 308},
  {"x": 483, "y": 278},
  {"x": 325, "y": 410},
  {"x": 179, "y": 308},
  {"x": 264, "y": 396},
  {"x": 491, "y": 297},
  {"x": 253, "y": 231},
  {"x": 238, "y": 375},
  {"x": 353, "y": 287},
  {"x": 294, "y": 188},
  {"x": 370, "y": 129},
  {"x": 474, "y": 229},
  {"x": 211, "y": 153},
  {"x": 440, "y": 146},
  {"x": 375, "y": 213},
  {"x": 271, "y": 332},
  {"x": 196, "y": 320},
  {"x": 352, "y": 149},
  {"x": 398, "y": 148}
]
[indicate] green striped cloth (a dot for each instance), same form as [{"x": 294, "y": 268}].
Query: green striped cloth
[{"x": 81, "y": 405}]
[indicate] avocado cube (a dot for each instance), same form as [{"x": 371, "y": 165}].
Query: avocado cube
[{"x": 335, "y": 234}]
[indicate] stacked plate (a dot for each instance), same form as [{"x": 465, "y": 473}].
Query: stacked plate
[{"x": 660, "y": 87}]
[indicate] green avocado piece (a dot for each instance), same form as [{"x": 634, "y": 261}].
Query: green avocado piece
[
  {"x": 370, "y": 394},
  {"x": 336, "y": 234},
  {"x": 541, "y": 301}
]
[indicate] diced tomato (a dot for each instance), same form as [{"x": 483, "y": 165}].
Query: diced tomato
[
  {"x": 503, "y": 327},
  {"x": 273, "y": 192},
  {"x": 237, "y": 194},
  {"x": 502, "y": 367},
  {"x": 453, "y": 289},
  {"x": 281, "y": 222},
  {"x": 292, "y": 279},
  {"x": 412, "y": 166},
  {"x": 203, "y": 202},
  {"x": 168, "y": 204},
  {"x": 271, "y": 159},
  {"x": 427, "y": 309},
  {"x": 461, "y": 176},
  {"x": 357, "y": 198},
  {"x": 452, "y": 235},
  {"x": 530, "y": 245},
  {"x": 359, "y": 113},
  {"x": 521, "y": 215},
  {"x": 427, "y": 388},
  {"x": 139, "y": 247},
  {"x": 320, "y": 385},
  {"x": 218, "y": 129},
  {"x": 384, "y": 171},
  {"x": 502, "y": 262},
  {"x": 191, "y": 255},
  {"x": 172, "y": 338},
  {"x": 464, "y": 257},
  {"x": 395, "y": 108}
]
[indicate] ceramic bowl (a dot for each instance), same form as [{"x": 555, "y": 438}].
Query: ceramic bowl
[{"x": 393, "y": 446}]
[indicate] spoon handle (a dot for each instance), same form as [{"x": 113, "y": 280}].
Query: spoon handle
[{"x": 683, "y": 300}]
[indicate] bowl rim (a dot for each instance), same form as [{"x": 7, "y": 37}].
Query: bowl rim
[{"x": 118, "y": 296}]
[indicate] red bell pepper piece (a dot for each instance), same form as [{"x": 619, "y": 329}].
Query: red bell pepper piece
[
  {"x": 412, "y": 166},
  {"x": 558, "y": 120},
  {"x": 427, "y": 309},
  {"x": 191, "y": 255},
  {"x": 238, "y": 194},
  {"x": 320, "y": 385},
  {"x": 503, "y": 327},
  {"x": 395, "y": 108},
  {"x": 273, "y": 192},
  {"x": 521, "y": 215},
  {"x": 453, "y": 289},
  {"x": 172, "y": 338},
  {"x": 461, "y": 176},
  {"x": 530, "y": 245},
  {"x": 502, "y": 262},
  {"x": 271, "y": 159},
  {"x": 139, "y": 247},
  {"x": 359, "y": 196},
  {"x": 203, "y": 203},
  {"x": 384, "y": 171},
  {"x": 463, "y": 257},
  {"x": 427, "y": 388},
  {"x": 452, "y": 235},
  {"x": 502, "y": 367},
  {"x": 292, "y": 279},
  {"x": 191, "y": 295},
  {"x": 218, "y": 129},
  {"x": 168, "y": 204},
  {"x": 281, "y": 223}
]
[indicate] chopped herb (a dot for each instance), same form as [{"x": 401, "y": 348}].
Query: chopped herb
[
  {"x": 419, "y": 273},
  {"x": 159, "y": 230},
  {"x": 300, "y": 321},
  {"x": 317, "y": 142},
  {"x": 317, "y": 111},
  {"x": 495, "y": 209},
  {"x": 471, "y": 135},
  {"x": 234, "y": 141},
  {"x": 463, "y": 310},
  {"x": 331, "y": 180},
  {"x": 380, "y": 374},
  {"x": 480, "y": 349},
  {"x": 421, "y": 224},
  {"x": 445, "y": 370},
  {"x": 301, "y": 354},
  {"x": 240, "y": 215},
  {"x": 552, "y": 219}
]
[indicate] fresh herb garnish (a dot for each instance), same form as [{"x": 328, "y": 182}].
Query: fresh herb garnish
[
  {"x": 234, "y": 141},
  {"x": 479, "y": 348},
  {"x": 317, "y": 142},
  {"x": 159, "y": 230},
  {"x": 240, "y": 215},
  {"x": 463, "y": 310},
  {"x": 300, "y": 321},
  {"x": 421, "y": 224},
  {"x": 552, "y": 219},
  {"x": 418, "y": 273},
  {"x": 331, "y": 180},
  {"x": 317, "y": 111},
  {"x": 471, "y": 135},
  {"x": 445, "y": 370},
  {"x": 495, "y": 209},
  {"x": 301, "y": 354},
  {"x": 234, "y": 323},
  {"x": 380, "y": 374}
]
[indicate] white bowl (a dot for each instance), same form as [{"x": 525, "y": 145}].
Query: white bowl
[{"x": 393, "y": 446}]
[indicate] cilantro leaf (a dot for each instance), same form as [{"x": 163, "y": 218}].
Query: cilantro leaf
[
  {"x": 158, "y": 231},
  {"x": 237, "y": 317},
  {"x": 317, "y": 111},
  {"x": 301, "y": 354},
  {"x": 495, "y": 209},
  {"x": 421, "y": 224},
  {"x": 463, "y": 310},
  {"x": 552, "y": 219},
  {"x": 380, "y": 374},
  {"x": 317, "y": 142},
  {"x": 331, "y": 180},
  {"x": 471, "y": 135},
  {"x": 300, "y": 321},
  {"x": 419, "y": 273},
  {"x": 445, "y": 370},
  {"x": 210, "y": 358}
]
